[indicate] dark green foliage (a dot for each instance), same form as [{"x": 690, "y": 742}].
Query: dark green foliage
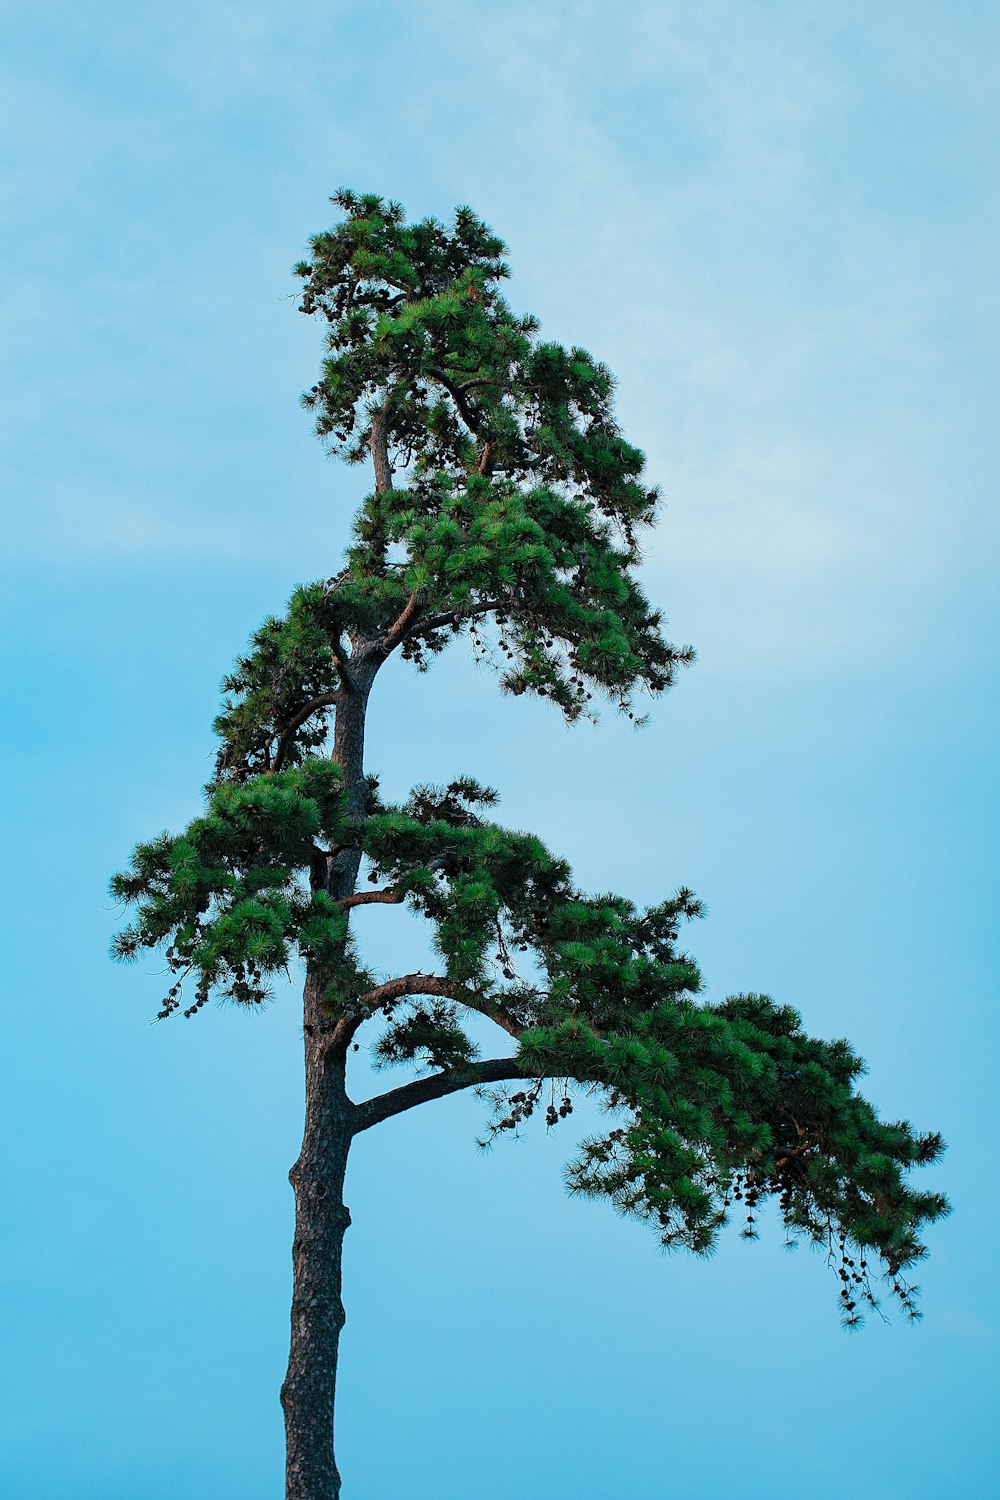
[
  {"x": 504, "y": 484},
  {"x": 711, "y": 1104},
  {"x": 226, "y": 898},
  {"x": 504, "y": 493},
  {"x": 506, "y": 500},
  {"x": 418, "y": 329},
  {"x": 293, "y": 662}
]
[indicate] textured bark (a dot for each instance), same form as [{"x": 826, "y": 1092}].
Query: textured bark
[
  {"x": 349, "y": 726},
  {"x": 321, "y": 1220},
  {"x": 331, "y": 1122},
  {"x": 321, "y": 1216}
]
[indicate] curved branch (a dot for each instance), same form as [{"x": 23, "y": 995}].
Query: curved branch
[
  {"x": 413, "y": 984},
  {"x": 417, "y": 984},
  {"x": 399, "y": 627},
  {"x": 456, "y": 393},
  {"x": 325, "y": 700},
  {"x": 421, "y": 1090}
]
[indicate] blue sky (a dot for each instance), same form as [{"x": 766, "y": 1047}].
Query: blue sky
[{"x": 777, "y": 223}]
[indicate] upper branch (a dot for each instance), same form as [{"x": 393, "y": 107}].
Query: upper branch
[
  {"x": 421, "y": 1090},
  {"x": 426, "y": 623},
  {"x": 388, "y": 897},
  {"x": 399, "y": 627},
  {"x": 456, "y": 392}
]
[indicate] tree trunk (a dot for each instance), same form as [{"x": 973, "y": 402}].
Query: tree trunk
[
  {"x": 321, "y": 1216},
  {"x": 321, "y": 1219}
]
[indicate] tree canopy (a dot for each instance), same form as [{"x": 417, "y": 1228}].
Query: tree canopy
[{"x": 508, "y": 507}]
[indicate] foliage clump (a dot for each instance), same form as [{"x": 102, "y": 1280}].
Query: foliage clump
[{"x": 712, "y": 1105}]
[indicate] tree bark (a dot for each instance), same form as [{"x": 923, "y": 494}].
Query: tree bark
[
  {"x": 321, "y": 1220},
  {"x": 321, "y": 1216}
]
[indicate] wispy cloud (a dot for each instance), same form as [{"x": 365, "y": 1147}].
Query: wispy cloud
[{"x": 742, "y": 212}]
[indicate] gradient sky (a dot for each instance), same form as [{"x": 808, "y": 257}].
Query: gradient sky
[{"x": 777, "y": 222}]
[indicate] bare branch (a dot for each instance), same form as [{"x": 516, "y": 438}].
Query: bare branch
[
  {"x": 471, "y": 419},
  {"x": 387, "y": 897},
  {"x": 418, "y": 984},
  {"x": 422, "y": 1090},
  {"x": 413, "y": 984}
]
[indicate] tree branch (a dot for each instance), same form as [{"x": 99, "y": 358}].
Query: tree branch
[
  {"x": 450, "y": 617},
  {"x": 784, "y": 1154},
  {"x": 398, "y": 629},
  {"x": 422, "y": 1090},
  {"x": 412, "y": 984},
  {"x": 325, "y": 700},
  {"x": 416, "y": 984},
  {"x": 388, "y": 897},
  {"x": 457, "y": 395}
]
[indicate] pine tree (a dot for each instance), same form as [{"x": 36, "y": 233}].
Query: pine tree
[{"x": 507, "y": 508}]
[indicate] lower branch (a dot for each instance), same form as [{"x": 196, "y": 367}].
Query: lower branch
[{"x": 437, "y": 1086}]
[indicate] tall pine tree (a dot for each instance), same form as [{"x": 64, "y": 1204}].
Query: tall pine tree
[{"x": 506, "y": 508}]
